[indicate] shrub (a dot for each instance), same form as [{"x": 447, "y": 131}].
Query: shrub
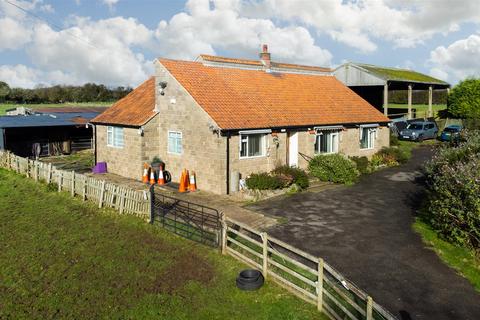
[
  {"x": 264, "y": 181},
  {"x": 334, "y": 168},
  {"x": 464, "y": 99},
  {"x": 299, "y": 176},
  {"x": 453, "y": 182},
  {"x": 389, "y": 156},
  {"x": 394, "y": 140},
  {"x": 362, "y": 163}
]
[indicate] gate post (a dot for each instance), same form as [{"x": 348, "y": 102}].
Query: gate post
[
  {"x": 152, "y": 204},
  {"x": 224, "y": 234}
]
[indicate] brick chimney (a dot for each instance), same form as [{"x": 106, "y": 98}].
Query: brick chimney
[{"x": 265, "y": 56}]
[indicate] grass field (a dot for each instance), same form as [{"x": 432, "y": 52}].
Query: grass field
[
  {"x": 422, "y": 109},
  {"x": 82, "y": 161},
  {"x": 62, "y": 258},
  {"x": 461, "y": 259},
  {"x": 4, "y": 107}
]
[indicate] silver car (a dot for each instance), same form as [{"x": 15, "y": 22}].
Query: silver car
[{"x": 419, "y": 131}]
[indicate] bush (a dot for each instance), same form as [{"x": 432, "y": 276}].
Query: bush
[
  {"x": 389, "y": 156},
  {"x": 264, "y": 181},
  {"x": 464, "y": 99},
  {"x": 394, "y": 142},
  {"x": 299, "y": 176},
  {"x": 362, "y": 163},
  {"x": 334, "y": 168},
  {"x": 453, "y": 181}
]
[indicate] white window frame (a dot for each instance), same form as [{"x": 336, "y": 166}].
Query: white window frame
[
  {"x": 178, "y": 138},
  {"x": 115, "y": 137},
  {"x": 245, "y": 135},
  {"x": 331, "y": 134},
  {"x": 371, "y": 136}
]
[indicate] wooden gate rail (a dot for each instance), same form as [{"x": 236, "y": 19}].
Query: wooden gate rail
[{"x": 301, "y": 273}]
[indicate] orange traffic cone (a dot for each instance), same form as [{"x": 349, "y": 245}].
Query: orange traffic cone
[
  {"x": 152, "y": 177},
  {"x": 193, "y": 183},
  {"x": 183, "y": 185},
  {"x": 161, "y": 179},
  {"x": 145, "y": 175}
]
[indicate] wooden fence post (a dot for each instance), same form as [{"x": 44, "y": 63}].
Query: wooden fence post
[
  {"x": 49, "y": 173},
  {"x": 369, "y": 308},
  {"x": 123, "y": 195},
  {"x": 265, "y": 254},
  {"x": 34, "y": 170},
  {"x": 84, "y": 193},
  {"x": 320, "y": 285},
  {"x": 73, "y": 184},
  {"x": 60, "y": 178},
  {"x": 224, "y": 234},
  {"x": 28, "y": 168},
  {"x": 102, "y": 192}
]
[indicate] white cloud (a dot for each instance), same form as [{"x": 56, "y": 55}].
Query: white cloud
[
  {"x": 207, "y": 26},
  {"x": 110, "y": 3},
  {"x": 25, "y": 77},
  {"x": 14, "y": 35},
  {"x": 459, "y": 60},
  {"x": 359, "y": 23},
  {"x": 99, "y": 51}
]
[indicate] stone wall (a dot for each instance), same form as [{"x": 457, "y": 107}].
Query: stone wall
[
  {"x": 124, "y": 161},
  {"x": 349, "y": 144},
  {"x": 275, "y": 156},
  {"x": 204, "y": 151}
]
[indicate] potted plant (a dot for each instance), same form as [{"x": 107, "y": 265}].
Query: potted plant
[{"x": 157, "y": 164}]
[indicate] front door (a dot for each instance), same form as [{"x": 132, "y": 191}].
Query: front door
[{"x": 293, "y": 149}]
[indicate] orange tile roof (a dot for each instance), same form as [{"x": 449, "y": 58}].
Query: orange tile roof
[
  {"x": 135, "y": 109},
  {"x": 247, "y": 99},
  {"x": 206, "y": 57}
]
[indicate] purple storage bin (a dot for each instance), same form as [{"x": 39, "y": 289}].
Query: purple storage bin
[{"x": 100, "y": 167}]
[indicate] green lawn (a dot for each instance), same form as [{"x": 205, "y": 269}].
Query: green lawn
[
  {"x": 422, "y": 109},
  {"x": 81, "y": 161},
  {"x": 62, "y": 258},
  {"x": 461, "y": 259},
  {"x": 6, "y": 106}
]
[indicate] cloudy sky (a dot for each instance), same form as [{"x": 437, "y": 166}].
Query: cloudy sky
[{"x": 115, "y": 41}]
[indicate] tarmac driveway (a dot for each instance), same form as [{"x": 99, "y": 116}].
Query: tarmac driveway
[{"x": 364, "y": 231}]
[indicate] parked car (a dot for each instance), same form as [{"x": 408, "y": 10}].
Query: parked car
[
  {"x": 419, "y": 131},
  {"x": 451, "y": 133}
]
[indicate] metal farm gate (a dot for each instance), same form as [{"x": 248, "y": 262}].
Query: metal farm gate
[{"x": 192, "y": 221}]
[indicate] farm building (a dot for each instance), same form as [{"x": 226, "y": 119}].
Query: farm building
[
  {"x": 374, "y": 82},
  {"x": 34, "y": 134},
  {"x": 224, "y": 118}
]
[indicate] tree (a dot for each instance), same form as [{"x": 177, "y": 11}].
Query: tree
[
  {"x": 4, "y": 90},
  {"x": 464, "y": 99}
]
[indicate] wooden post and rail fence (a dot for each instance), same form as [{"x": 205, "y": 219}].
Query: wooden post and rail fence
[
  {"x": 307, "y": 276},
  {"x": 121, "y": 198}
]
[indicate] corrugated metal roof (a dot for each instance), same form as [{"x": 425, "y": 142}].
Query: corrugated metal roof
[{"x": 46, "y": 120}]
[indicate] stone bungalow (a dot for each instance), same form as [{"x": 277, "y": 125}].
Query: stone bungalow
[{"x": 225, "y": 117}]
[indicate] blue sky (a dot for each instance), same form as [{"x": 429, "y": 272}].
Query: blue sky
[{"x": 115, "y": 41}]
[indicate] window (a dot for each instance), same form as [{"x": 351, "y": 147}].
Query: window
[
  {"x": 175, "y": 142},
  {"x": 326, "y": 142},
  {"x": 252, "y": 145},
  {"x": 367, "y": 138},
  {"x": 115, "y": 137}
]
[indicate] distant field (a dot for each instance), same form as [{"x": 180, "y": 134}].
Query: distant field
[
  {"x": 5, "y": 106},
  {"x": 422, "y": 109}
]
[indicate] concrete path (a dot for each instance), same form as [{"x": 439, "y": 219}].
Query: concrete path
[{"x": 365, "y": 232}]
